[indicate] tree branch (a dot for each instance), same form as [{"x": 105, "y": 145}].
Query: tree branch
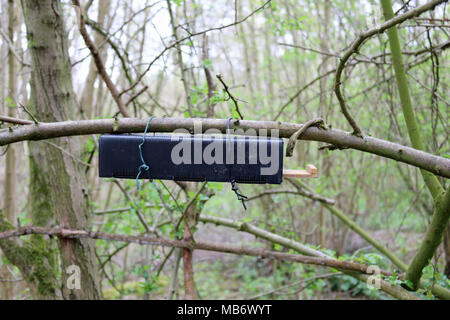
[
  {"x": 275, "y": 192},
  {"x": 207, "y": 246},
  {"x": 435, "y": 164},
  {"x": 227, "y": 90},
  {"x": 294, "y": 245},
  {"x": 357, "y": 44},
  {"x": 15, "y": 120},
  {"x": 437, "y": 290},
  {"x": 98, "y": 61},
  {"x": 177, "y": 42}
]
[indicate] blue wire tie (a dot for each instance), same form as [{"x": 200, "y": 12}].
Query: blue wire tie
[{"x": 143, "y": 166}]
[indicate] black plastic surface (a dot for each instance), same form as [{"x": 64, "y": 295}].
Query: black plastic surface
[{"x": 119, "y": 158}]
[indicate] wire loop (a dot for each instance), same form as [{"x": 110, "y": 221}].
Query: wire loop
[{"x": 143, "y": 166}]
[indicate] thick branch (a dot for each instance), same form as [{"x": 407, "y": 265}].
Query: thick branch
[{"x": 435, "y": 164}]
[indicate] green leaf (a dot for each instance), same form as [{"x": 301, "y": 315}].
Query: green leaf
[
  {"x": 215, "y": 185},
  {"x": 10, "y": 103},
  {"x": 207, "y": 64},
  {"x": 408, "y": 283}
]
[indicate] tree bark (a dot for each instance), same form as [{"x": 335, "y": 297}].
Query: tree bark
[
  {"x": 34, "y": 260},
  {"x": 59, "y": 174},
  {"x": 10, "y": 167}
]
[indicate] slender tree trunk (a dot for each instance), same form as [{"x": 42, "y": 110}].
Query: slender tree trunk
[
  {"x": 174, "y": 277},
  {"x": 434, "y": 234},
  {"x": 58, "y": 173},
  {"x": 326, "y": 163},
  {"x": 87, "y": 99},
  {"x": 248, "y": 65},
  {"x": 10, "y": 167},
  {"x": 432, "y": 240},
  {"x": 188, "y": 254},
  {"x": 447, "y": 251},
  {"x": 3, "y": 53},
  {"x": 180, "y": 58},
  {"x": 10, "y": 203}
]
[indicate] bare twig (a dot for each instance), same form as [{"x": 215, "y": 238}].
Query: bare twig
[
  {"x": 226, "y": 89},
  {"x": 275, "y": 192},
  {"x": 177, "y": 42},
  {"x": 136, "y": 95},
  {"x": 135, "y": 207},
  {"x": 209, "y": 78},
  {"x": 330, "y": 54},
  {"x": 306, "y": 86},
  {"x": 15, "y": 120},
  {"x": 36, "y": 122}
]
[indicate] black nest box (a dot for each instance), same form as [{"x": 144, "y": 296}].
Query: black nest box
[{"x": 226, "y": 158}]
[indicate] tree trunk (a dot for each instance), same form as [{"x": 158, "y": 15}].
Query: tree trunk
[
  {"x": 447, "y": 250},
  {"x": 440, "y": 216},
  {"x": 10, "y": 167},
  {"x": 56, "y": 171},
  {"x": 34, "y": 260},
  {"x": 188, "y": 254},
  {"x": 87, "y": 99}
]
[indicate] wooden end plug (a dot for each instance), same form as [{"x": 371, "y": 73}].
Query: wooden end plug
[{"x": 310, "y": 172}]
